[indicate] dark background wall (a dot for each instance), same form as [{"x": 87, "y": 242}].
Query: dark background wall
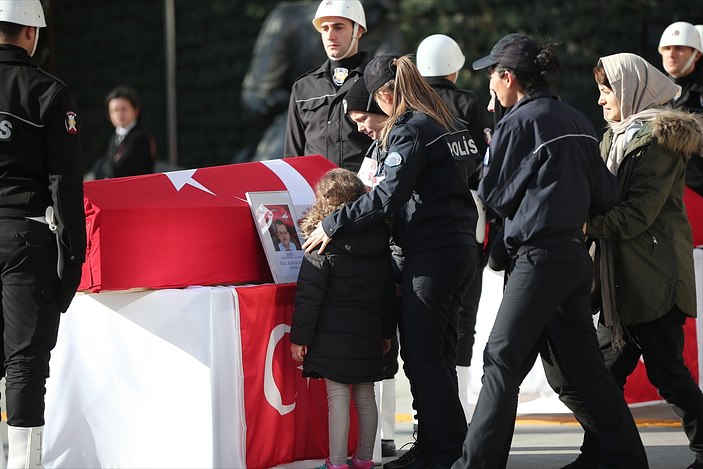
[{"x": 96, "y": 44}]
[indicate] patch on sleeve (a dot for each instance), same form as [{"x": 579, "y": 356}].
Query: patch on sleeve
[
  {"x": 393, "y": 159},
  {"x": 71, "y": 123}
]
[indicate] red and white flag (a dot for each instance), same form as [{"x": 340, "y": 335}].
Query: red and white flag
[{"x": 286, "y": 414}]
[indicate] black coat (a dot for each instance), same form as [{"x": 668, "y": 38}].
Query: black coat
[
  {"x": 545, "y": 181},
  {"x": 467, "y": 106},
  {"x": 345, "y": 306},
  {"x": 318, "y": 123},
  {"x": 133, "y": 156},
  {"x": 691, "y": 100},
  {"x": 40, "y": 149}
]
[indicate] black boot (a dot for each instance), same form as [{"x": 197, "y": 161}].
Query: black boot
[{"x": 387, "y": 448}]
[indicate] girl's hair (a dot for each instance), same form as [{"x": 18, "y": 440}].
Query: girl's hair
[
  {"x": 412, "y": 93},
  {"x": 548, "y": 67},
  {"x": 600, "y": 75},
  {"x": 336, "y": 188}
]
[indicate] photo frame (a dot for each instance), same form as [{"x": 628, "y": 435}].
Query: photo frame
[{"x": 277, "y": 225}]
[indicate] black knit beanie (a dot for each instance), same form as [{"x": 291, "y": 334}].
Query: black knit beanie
[{"x": 358, "y": 99}]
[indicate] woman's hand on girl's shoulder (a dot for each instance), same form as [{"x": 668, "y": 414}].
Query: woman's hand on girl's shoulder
[{"x": 317, "y": 238}]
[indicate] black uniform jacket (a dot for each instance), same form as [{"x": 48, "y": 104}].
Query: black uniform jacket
[
  {"x": 545, "y": 174},
  {"x": 134, "y": 155},
  {"x": 426, "y": 189},
  {"x": 345, "y": 306},
  {"x": 318, "y": 123},
  {"x": 691, "y": 100},
  {"x": 40, "y": 149},
  {"x": 465, "y": 105}
]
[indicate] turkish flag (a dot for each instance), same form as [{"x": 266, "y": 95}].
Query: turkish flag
[
  {"x": 286, "y": 414},
  {"x": 694, "y": 209},
  {"x": 189, "y": 227}
]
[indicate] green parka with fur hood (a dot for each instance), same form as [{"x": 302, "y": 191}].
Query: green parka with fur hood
[{"x": 652, "y": 259}]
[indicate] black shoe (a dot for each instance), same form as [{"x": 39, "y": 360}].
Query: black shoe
[
  {"x": 407, "y": 461},
  {"x": 387, "y": 448},
  {"x": 696, "y": 465},
  {"x": 582, "y": 462}
]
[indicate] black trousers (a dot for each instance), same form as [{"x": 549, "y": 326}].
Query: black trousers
[
  {"x": 660, "y": 344},
  {"x": 547, "y": 295},
  {"x": 433, "y": 285},
  {"x": 466, "y": 326},
  {"x": 29, "y": 285}
]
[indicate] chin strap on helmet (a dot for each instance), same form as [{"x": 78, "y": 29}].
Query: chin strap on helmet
[{"x": 354, "y": 41}]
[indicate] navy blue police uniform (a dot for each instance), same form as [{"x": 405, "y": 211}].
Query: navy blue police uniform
[
  {"x": 544, "y": 176},
  {"x": 426, "y": 190},
  {"x": 467, "y": 107}
]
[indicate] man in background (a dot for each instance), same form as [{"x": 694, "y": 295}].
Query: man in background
[
  {"x": 681, "y": 46},
  {"x": 286, "y": 48},
  {"x": 316, "y": 122}
]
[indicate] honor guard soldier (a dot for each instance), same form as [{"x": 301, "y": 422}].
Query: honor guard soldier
[
  {"x": 681, "y": 47},
  {"x": 42, "y": 222},
  {"x": 317, "y": 123}
]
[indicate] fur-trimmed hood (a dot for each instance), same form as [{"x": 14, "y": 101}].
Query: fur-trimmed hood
[{"x": 679, "y": 132}]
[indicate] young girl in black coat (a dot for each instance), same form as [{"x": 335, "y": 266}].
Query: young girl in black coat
[{"x": 345, "y": 313}]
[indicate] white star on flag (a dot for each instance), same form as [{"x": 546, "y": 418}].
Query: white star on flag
[{"x": 181, "y": 178}]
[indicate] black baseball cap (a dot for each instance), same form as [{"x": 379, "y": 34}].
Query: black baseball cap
[
  {"x": 359, "y": 99},
  {"x": 379, "y": 71},
  {"x": 514, "y": 51}
]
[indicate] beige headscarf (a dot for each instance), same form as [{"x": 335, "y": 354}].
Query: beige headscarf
[{"x": 642, "y": 91}]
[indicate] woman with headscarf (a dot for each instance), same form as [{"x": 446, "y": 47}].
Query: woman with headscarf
[{"x": 646, "y": 262}]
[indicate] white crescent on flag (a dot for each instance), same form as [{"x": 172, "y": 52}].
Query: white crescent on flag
[{"x": 271, "y": 391}]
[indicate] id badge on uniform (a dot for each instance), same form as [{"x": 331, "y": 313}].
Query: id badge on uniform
[{"x": 367, "y": 172}]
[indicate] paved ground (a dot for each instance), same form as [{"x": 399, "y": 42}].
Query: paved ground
[
  {"x": 547, "y": 441},
  {"x": 544, "y": 441},
  {"x": 550, "y": 441}
]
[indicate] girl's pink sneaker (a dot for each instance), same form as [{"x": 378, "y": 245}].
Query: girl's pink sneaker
[
  {"x": 329, "y": 465},
  {"x": 356, "y": 463}
]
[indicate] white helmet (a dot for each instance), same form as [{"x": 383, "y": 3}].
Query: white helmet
[
  {"x": 438, "y": 56},
  {"x": 25, "y": 12},
  {"x": 349, "y": 9},
  {"x": 699, "y": 28},
  {"x": 681, "y": 33}
]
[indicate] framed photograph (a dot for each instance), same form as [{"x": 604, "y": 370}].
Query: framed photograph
[{"x": 277, "y": 225}]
